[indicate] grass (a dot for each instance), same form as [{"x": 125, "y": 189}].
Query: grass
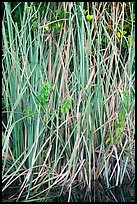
[{"x": 68, "y": 96}]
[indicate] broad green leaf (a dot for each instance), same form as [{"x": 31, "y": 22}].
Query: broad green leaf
[{"x": 89, "y": 17}]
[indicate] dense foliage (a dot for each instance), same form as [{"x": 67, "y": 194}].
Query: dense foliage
[{"x": 68, "y": 73}]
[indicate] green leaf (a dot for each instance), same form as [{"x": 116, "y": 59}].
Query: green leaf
[
  {"x": 121, "y": 119},
  {"x": 104, "y": 40},
  {"x": 118, "y": 34},
  {"x": 45, "y": 93},
  {"x": 85, "y": 11},
  {"x": 47, "y": 29},
  {"x": 126, "y": 26},
  {"x": 107, "y": 27},
  {"x": 116, "y": 124},
  {"x": 108, "y": 140},
  {"x": 133, "y": 15},
  {"x": 35, "y": 25},
  {"x": 66, "y": 105},
  {"x": 29, "y": 113},
  {"x": 131, "y": 41},
  {"x": 57, "y": 25},
  {"x": 47, "y": 87},
  {"x": 89, "y": 17},
  {"x": 117, "y": 132},
  {"x": 44, "y": 153},
  {"x": 62, "y": 14},
  {"x": 124, "y": 32}
]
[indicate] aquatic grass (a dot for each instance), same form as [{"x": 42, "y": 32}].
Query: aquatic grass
[{"x": 63, "y": 91}]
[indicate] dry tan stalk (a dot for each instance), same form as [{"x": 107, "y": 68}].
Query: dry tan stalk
[
  {"x": 57, "y": 47},
  {"x": 76, "y": 146},
  {"x": 49, "y": 64},
  {"x": 101, "y": 161},
  {"x": 72, "y": 181},
  {"x": 122, "y": 13},
  {"x": 39, "y": 174},
  {"x": 52, "y": 178},
  {"x": 111, "y": 62},
  {"x": 6, "y": 156},
  {"x": 12, "y": 175},
  {"x": 99, "y": 156},
  {"x": 109, "y": 97},
  {"x": 90, "y": 79},
  {"x": 62, "y": 78},
  {"x": 74, "y": 176},
  {"x": 66, "y": 61},
  {"x": 118, "y": 165},
  {"x": 70, "y": 189},
  {"x": 23, "y": 186},
  {"x": 18, "y": 175},
  {"x": 118, "y": 159},
  {"x": 106, "y": 123},
  {"x": 93, "y": 151},
  {"x": 25, "y": 138},
  {"x": 81, "y": 174},
  {"x": 56, "y": 175}
]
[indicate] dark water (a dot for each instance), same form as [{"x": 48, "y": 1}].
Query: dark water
[{"x": 99, "y": 193}]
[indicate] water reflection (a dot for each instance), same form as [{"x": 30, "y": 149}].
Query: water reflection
[{"x": 100, "y": 193}]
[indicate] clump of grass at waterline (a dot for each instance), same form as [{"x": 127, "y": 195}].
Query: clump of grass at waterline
[{"x": 68, "y": 92}]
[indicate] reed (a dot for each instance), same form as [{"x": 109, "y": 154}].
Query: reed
[{"x": 68, "y": 73}]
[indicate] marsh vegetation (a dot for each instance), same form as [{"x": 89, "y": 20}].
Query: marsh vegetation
[{"x": 68, "y": 89}]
